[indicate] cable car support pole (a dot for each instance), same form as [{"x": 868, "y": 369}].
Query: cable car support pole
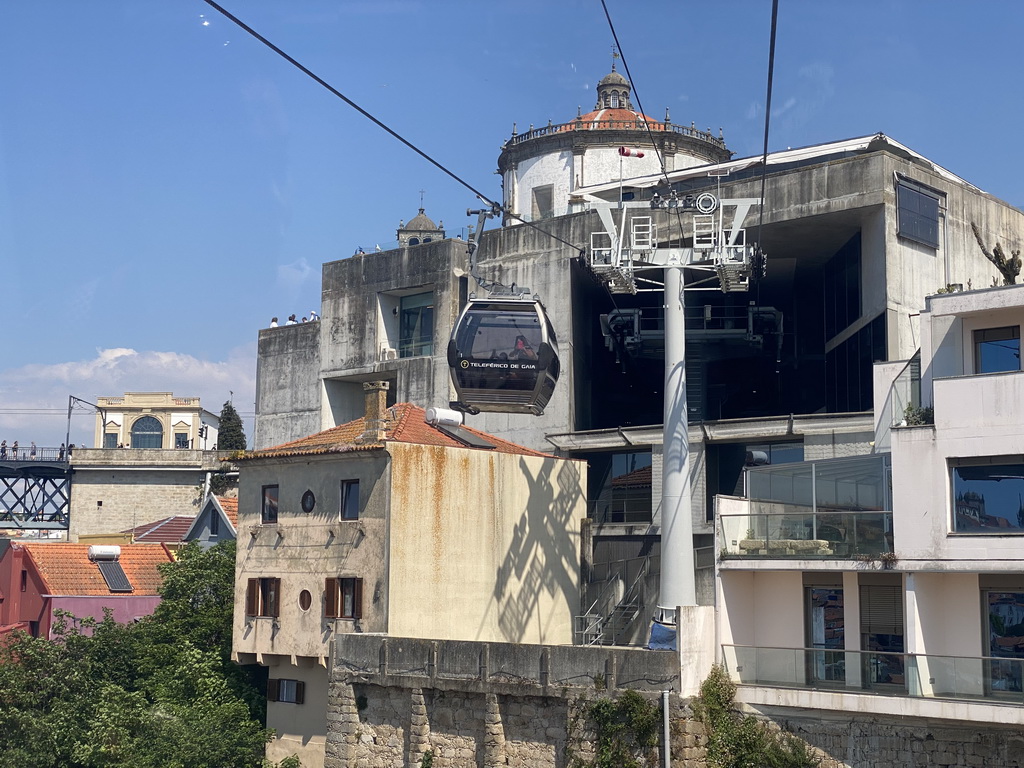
[{"x": 678, "y": 581}]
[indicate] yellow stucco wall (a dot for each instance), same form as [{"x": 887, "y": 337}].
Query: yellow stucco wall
[{"x": 483, "y": 546}]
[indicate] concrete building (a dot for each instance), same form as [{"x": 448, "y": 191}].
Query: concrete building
[
  {"x": 154, "y": 420},
  {"x": 389, "y": 525},
  {"x": 115, "y": 489},
  {"x": 856, "y": 234},
  {"x": 838, "y": 591}
]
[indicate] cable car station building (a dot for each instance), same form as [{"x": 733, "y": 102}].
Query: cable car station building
[{"x": 857, "y": 233}]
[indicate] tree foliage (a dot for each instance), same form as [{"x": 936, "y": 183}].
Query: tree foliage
[
  {"x": 737, "y": 741},
  {"x": 230, "y": 434},
  {"x": 161, "y": 693}
]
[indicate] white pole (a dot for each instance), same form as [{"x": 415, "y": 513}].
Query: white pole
[{"x": 677, "y": 576}]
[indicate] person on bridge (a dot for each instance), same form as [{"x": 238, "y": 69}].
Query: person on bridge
[
  {"x": 60, "y": 453},
  {"x": 3, "y": 449},
  {"x": 14, "y": 450},
  {"x": 32, "y": 451}
]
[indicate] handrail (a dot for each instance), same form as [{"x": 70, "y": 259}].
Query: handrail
[
  {"x": 615, "y": 125},
  {"x": 902, "y": 654}
]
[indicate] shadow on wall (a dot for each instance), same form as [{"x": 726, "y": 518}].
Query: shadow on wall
[{"x": 543, "y": 555}]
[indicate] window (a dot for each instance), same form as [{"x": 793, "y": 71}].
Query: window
[
  {"x": 842, "y": 289},
  {"x": 214, "y": 523},
  {"x": 416, "y": 325},
  {"x": 308, "y": 502},
  {"x": 543, "y": 202},
  {"x": 349, "y": 500},
  {"x": 987, "y": 495},
  {"x": 147, "y": 433},
  {"x": 286, "y": 691},
  {"x": 24, "y": 581},
  {"x": 263, "y": 597},
  {"x": 881, "y": 627},
  {"x": 826, "y": 631},
  {"x": 305, "y": 599},
  {"x": 917, "y": 213},
  {"x": 620, "y": 487},
  {"x": 181, "y": 439},
  {"x": 343, "y": 598},
  {"x": 848, "y": 383},
  {"x": 997, "y": 349},
  {"x": 110, "y": 439},
  {"x": 268, "y": 513},
  {"x": 1005, "y": 612}
]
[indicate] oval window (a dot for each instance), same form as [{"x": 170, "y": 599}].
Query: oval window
[
  {"x": 308, "y": 502},
  {"x": 305, "y": 599}
]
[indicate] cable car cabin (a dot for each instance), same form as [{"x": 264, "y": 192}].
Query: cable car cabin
[{"x": 504, "y": 356}]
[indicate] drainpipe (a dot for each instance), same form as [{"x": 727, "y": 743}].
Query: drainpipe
[{"x": 666, "y": 734}]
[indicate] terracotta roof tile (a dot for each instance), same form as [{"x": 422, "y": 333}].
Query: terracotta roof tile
[
  {"x": 230, "y": 506},
  {"x": 406, "y": 424},
  {"x": 67, "y": 570},
  {"x": 171, "y": 530}
]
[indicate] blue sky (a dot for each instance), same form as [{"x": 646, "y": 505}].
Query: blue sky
[{"x": 167, "y": 184}]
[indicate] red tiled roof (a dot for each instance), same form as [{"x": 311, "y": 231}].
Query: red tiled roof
[
  {"x": 230, "y": 506},
  {"x": 67, "y": 570},
  {"x": 171, "y": 530},
  {"x": 406, "y": 424}
]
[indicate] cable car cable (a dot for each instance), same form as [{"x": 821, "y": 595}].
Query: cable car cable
[{"x": 305, "y": 70}]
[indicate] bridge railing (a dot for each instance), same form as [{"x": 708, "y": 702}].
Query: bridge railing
[{"x": 28, "y": 453}]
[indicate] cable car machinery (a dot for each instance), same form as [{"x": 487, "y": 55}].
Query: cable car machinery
[{"x": 627, "y": 257}]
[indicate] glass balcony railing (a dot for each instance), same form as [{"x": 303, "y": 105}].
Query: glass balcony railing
[
  {"x": 801, "y": 533},
  {"x": 984, "y": 678}
]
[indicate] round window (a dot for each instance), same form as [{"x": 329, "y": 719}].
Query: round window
[
  {"x": 305, "y": 600},
  {"x": 308, "y": 502}
]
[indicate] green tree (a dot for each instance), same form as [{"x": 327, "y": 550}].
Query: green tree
[
  {"x": 161, "y": 693},
  {"x": 230, "y": 434}
]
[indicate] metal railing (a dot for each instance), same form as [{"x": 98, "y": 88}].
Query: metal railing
[
  {"x": 805, "y": 534},
  {"x": 615, "y": 125},
  {"x": 965, "y": 678},
  {"x": 28, "y": 453}
]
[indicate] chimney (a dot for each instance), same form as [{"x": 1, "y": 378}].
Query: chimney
[{"x": 376, "y": 418}]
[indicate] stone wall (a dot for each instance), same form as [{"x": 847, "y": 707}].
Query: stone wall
[
  {"x": 870, "y": 742},
  {"x": 475, "y": 705}
]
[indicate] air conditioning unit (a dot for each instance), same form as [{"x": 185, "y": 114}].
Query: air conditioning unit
[{"x": 387, "y": 353}]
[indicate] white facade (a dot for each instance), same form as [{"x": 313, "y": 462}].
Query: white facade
[{"x": 802, "y": 603}]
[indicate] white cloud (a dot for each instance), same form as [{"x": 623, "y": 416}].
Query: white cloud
[{"x": 34, "y": 398}]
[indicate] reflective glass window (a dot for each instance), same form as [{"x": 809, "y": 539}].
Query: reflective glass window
[{"x": 997, "y": 349}]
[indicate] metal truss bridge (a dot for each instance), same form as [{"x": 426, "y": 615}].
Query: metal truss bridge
[{"x": 35, "y": 490}]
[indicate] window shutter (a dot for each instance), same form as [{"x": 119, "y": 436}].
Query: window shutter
[
  {"x": 252, "y": 598},
  {"x": 273, "y": 689},
  {"x": 881, "y": 610},
  {"x": 331, "y": 598},
  {"x": 357, "y": 599},
  {"x": 300, "y": 692}
]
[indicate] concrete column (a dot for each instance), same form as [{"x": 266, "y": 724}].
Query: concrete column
[
  {"x": 419, "y": 728},
  {"x": 851, "y": 628},
  {"x": 677, "y": 577},
  {"x": 494, "y": 735}
]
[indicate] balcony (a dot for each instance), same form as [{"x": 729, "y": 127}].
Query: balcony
[
  {"x": 838, "y": 508},
  {"x": 807, "y": 535},
  {"x": 982, "y": 679}
]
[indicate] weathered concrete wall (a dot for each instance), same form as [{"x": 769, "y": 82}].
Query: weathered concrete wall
[
  {"x": 484, "y": 546},
  {"x": 287, "y": 384},
  {"x": 474, "y": 704}
]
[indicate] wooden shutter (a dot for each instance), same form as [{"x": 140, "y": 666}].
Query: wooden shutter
[
  {"x": 273, "y": 689},
  {"x": 252, "y": 598},
  {"x": 331, "y": 598},
  {"x": 300, "y": 692},
  {"x": 357, "y": 598}
]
